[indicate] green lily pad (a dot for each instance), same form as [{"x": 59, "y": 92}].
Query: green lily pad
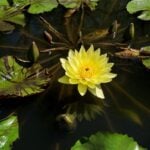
[
  {"x": 107, "y": 141},
  {"x": 146, "y": 49},
  {"x": 4, "y": 3},
  {"x": 140, "y": 5},
  {"x": 74, "y": 4},
  {"x": 8, "y": 132},
  {"x": 37, "y": 6},
  {"x": 15, "y": 80},
  {"x": 41, "y": 6},
  {"x": 10, "y": 14},
  {"x": 146, "y": 62}
]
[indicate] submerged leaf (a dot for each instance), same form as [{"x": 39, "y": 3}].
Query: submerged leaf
[
  {"x": 132, "y": 115},
  {"x": 10, "y": 14},
  {"x": 18, "y": 19},
  {"x": 8, "y": 132},
  {"x": 4, "y": 26},
  {"x": 15, "y": 80},
  {"x": 107, "y": 141}
]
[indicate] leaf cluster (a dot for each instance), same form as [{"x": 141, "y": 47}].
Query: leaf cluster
[
  {"x": 107, "y": 141},
  {"x": 142, "y": 6}
]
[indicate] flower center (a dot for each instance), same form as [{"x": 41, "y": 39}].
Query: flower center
[{"x": 86, "y": 72}]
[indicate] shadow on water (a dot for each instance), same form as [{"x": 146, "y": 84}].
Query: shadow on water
[{"x": 36, "y": 115}]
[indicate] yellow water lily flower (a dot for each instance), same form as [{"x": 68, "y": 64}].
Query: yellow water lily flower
[{"x": 88, "y": 69}]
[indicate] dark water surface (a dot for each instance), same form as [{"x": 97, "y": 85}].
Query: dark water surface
[{"x": 130, "y": 90}]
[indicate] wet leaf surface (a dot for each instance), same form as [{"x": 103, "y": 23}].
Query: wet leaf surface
[
  {"x": 107, "y": 141},
  {"x": 8, "y": 132},
  {"x": 140, "y": 5},
  {"x": 15, "y": 80}
]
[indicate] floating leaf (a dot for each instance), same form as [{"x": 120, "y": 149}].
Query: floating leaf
[
  {"x": 146, "y": 62},
  {"x": 70, "y": 3},
  {"x": 74, "y": 4},
  {"x": 41, "y": 6},
  {"x": 145, "y": 49},
  {"x": 107, "y": 141},
  {"x": 10, "y": 14},
  {"x": 4, "y": 3},
  {"x": 8, "y": 132},
  {"x": 140, "y": 5},
  {"x": 17, "y": 19},
  {"x": 15, "y": 80}
]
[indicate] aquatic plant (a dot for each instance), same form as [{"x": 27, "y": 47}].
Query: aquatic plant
[
  {"x": 75, "y": 4},
  {"x": 107, "y": 141},
  {"x": 10, "y": 14},
  {"x": 8, "y": 132},
  {"x": 16, "y": 80},
  {"x": 36, "y": 7},
  {"x": 140, "y": 5},
  {"x": 88, "y": 69}
]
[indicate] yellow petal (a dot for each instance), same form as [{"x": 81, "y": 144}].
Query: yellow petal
[
  {"x": 71, "y": 53},
  {"x": 98, "y": 92},
  {"x": 73, "y": 81},
  {"x": 63, "y": 62},
  {"x": 82, "y": 89},
  {"x": 64, "y": 79},
  {"x": 82, "y": 52}
]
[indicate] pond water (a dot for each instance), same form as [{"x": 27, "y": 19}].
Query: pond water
[{"x": 129, "y": 91}]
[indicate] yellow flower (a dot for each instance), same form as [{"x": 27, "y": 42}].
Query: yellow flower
[{"x": 88, "y": 69}]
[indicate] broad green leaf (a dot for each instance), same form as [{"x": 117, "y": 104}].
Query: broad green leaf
[
  {"x": 18, "y": 19},
  {"x": 4, "y": 3},
  {"x": 74, "y": 4},
  {"x": 146, "y": 62},
  {"x": 146, "y": 49},
  {"x": 140, "y": 5},
  {"x": 22, "y": 2},
  {"x": 92, "y": 4},
  {"x": 40, "y": 6},
  {"x": 107, "y": 141},
  {"x": 8, "y": 132},
  {"x": 15, "y": 80},
  {"x": 70, "y": 3},
  {"x": 145, "y": 15},
  {"x": 11, "y": 14}
]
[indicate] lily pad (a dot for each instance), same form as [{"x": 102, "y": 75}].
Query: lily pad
[
  {"x": 37, "y": 6},
  {"x": 74, "y": 4},
  {"x": 107, "y": 141},
  {"x": 42, "y": 6},
  {"x": 140, "y": 5},
  {"x": 146, "y": 62},
  {"x": 8, "y": 132},
  {"x": 16, "y": 80},
  {"x": 10, "y": 14}
]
